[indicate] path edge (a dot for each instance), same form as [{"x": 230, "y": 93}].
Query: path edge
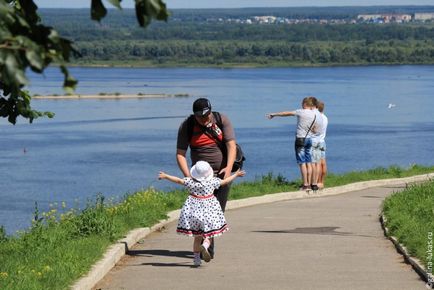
[{"x": 415, "y": 263}]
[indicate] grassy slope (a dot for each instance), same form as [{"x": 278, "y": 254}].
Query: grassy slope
[{"x": 410, "y": 218}]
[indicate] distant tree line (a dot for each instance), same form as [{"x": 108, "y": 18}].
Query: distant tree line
[
  {"x": 201, "y": 43},
  {"x": 118, "y": 18},
  {"x": 262, "y": 53}
]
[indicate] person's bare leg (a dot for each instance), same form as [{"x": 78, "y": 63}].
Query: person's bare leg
[
  {"x": 315, "y": 167},
  {"x": 323, "y": 173},
  {"x": 304, "y": 174},
  {"x": 197, "y": 243},
  {"x": 196, "y": 250},
  {"x": 309, "y": 173}
]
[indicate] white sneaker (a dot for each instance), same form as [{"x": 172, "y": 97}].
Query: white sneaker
[
  {"x": 197, "y": 261},
  {"x": 205, "y": 254}
]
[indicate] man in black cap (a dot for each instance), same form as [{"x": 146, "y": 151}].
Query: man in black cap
[{"x": 211, "y": 138}]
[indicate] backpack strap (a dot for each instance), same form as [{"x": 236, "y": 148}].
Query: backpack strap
[
  {"x": 218, "y": 119},
  {"x": 310, "y": 127},
  {"x": 191, "y": 121}
]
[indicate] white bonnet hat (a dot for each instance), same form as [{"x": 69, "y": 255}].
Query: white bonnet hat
[{"x": 201, "y": 171}]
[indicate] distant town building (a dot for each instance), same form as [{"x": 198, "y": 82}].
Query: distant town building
[
  {"x": 400, "y": 18},
  {"x": 265, "y": 19},
  {"x": 361, "y": 18},
  {"x": 384, "y": 18},
  {"x": 397, "y": 18},
  {"x": 423, "y": 16},
  {"x": 369, "y": 17}
]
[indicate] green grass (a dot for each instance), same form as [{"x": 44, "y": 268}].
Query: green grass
[
  {"x": 377, "y": 173},
  {"x": 63, "y": 244},
  {"x": 410, "y": 218}
]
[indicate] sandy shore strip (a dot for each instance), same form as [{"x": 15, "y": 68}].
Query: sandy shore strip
[{"x": 108, "y": 96}]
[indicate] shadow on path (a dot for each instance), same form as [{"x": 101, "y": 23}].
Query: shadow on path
[
  {"x": 314, "y": 231},
  {"x": 164, "y": 253},
  {"x": 157, "y": 252},
  {"x": 185, "y": 265}
]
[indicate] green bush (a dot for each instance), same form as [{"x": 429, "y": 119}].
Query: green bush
[{"x": 410, "y": 217}]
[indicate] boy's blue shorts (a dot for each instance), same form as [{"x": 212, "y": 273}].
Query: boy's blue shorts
[{"x": 303, "y": 154}]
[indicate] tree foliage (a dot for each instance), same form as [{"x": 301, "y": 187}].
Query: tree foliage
[
  {"x": 26, "y": 43},
  {"x": 189, "y": 39}
]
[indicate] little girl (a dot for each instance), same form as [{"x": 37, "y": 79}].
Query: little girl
[{"x": 201, "y": 215}]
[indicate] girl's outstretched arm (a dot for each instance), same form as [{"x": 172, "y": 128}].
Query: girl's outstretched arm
[
  {"x": 163, "y": 175},
  {"x": 232, "y": 177}
]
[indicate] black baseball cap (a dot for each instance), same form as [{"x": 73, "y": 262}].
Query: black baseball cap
[{"x": 201, "y": 107}]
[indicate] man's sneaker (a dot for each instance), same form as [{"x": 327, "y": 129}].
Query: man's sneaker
[{"x": 205, "y": 254}]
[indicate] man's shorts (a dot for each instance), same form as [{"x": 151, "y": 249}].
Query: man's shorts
[
  {"x": 303, "y": 154},
  {"x": 322, "y": 148},
  {"x": 316, "y": 152}
]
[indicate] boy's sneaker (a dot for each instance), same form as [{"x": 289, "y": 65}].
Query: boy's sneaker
[
  {"x": 304, "y": 187},
  {"x": 205, "y": 254},
  {"x": 314, "y": 187}
]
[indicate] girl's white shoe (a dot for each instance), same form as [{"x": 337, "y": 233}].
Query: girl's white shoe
[
  {"x": 204, "y": 250},
  {"x": 197, "y": 260}
]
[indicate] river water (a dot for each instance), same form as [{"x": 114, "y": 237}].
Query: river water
[{"x": 118, "y": 146}]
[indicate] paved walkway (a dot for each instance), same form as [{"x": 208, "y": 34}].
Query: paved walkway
[{"x": 331, "y": 242}]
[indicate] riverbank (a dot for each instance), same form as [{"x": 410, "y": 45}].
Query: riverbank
[
  {"x": 63, "y": 244},
  {"x": 108, "y": 96},
  {"x": 233, "y": 65}
]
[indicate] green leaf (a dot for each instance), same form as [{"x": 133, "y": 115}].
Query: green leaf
[
  {"x": 53, "y": 35},
  {"x": 141, "y": 14},
  {"x": 36, "y": 61},
  {"x": 116, "y": 3},
  {"x": 97, "y": 10},
  {"x": 14, "y": 71},
  {"x": 67, "y": 48},
  {"x": 69, "y": 82},
  {"x": 160, "y": 8},
  {"x": 148, "y": 9},
  {"x": 29, "y": 9}
]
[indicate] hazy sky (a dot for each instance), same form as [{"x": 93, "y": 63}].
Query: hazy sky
[{"x": 237, "y": 3}]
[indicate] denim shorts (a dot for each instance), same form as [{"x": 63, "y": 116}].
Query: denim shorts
[
  {"x": 316, "y": 152},
  {"x": 303, "y": 154},
  {"x": 322, "y": 148}
]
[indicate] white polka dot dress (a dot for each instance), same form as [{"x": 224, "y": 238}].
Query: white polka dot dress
[{"x": 201, "y": 214}]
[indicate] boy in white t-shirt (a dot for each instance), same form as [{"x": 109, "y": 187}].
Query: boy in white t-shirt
[
  {"x": 308, "y": 122},
  {"x": 322, "y": 165}
]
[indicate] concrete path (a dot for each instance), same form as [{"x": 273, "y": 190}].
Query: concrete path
[{"x": 333, "y": 242}]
